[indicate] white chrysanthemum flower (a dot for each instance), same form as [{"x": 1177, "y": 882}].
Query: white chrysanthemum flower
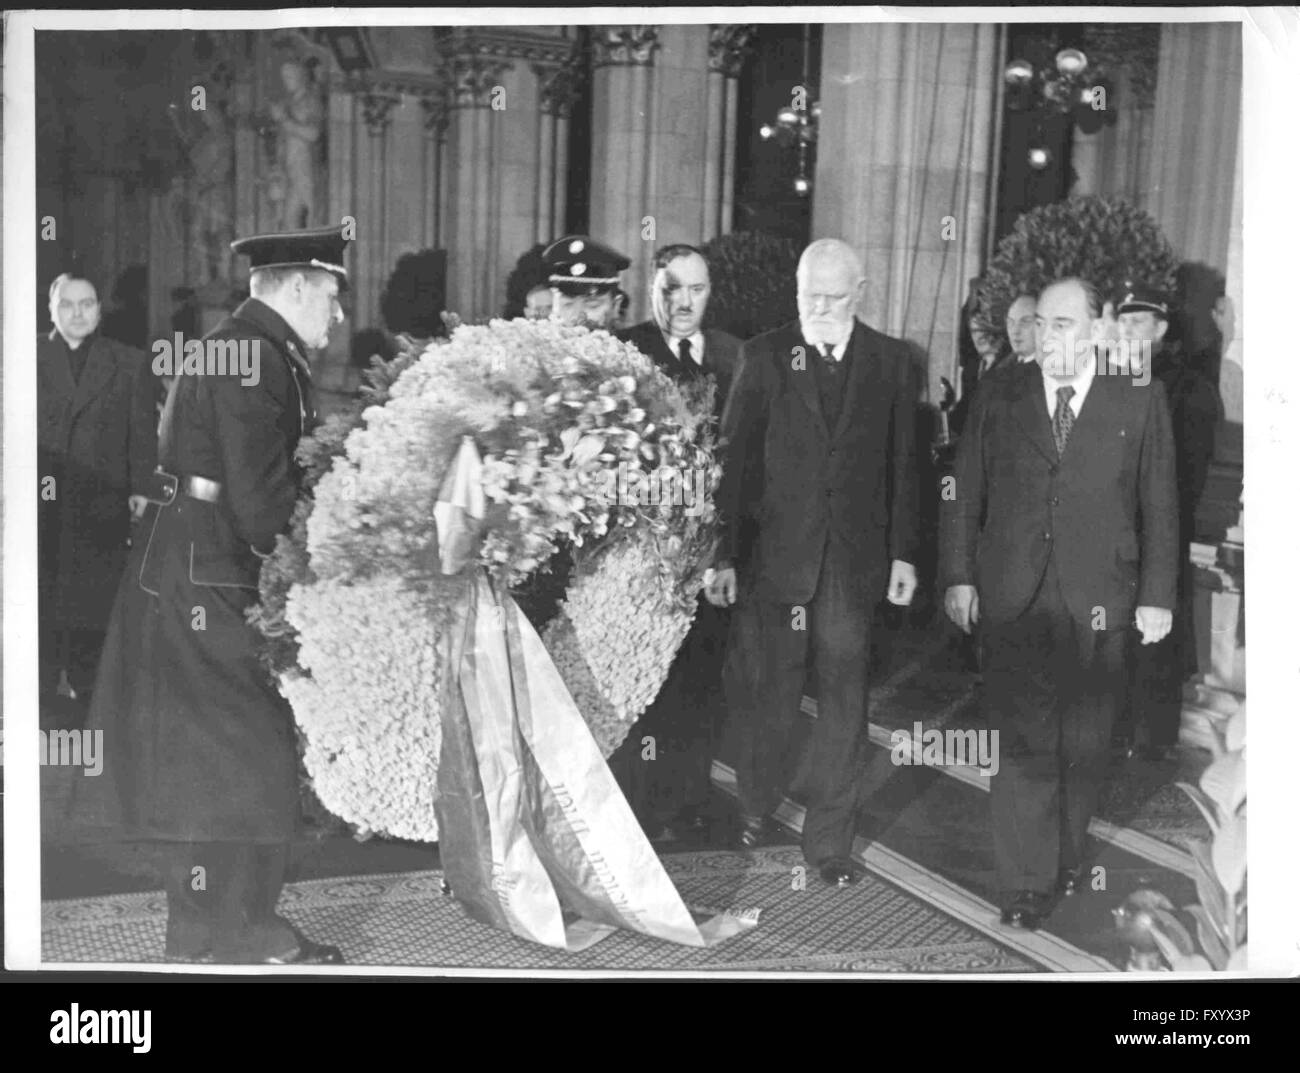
[{"x": 556, "y": 410}]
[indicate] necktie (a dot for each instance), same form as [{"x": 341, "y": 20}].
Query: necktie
[
  {"x": 1063, "y": 419},
  {"x": 684, "y": 352},
  {"x": 828, "y": 352}
]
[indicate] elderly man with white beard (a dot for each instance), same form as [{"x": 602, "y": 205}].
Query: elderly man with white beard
[{"x": 819, "y": 452}]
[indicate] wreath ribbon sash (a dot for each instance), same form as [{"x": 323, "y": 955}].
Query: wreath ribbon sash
[{"x": 535, "y": 836}]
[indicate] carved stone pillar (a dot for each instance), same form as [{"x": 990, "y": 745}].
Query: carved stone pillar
[
  {"x": 474, "y": 183},
  {"x": 372, "y": 243},
  {"x": 663, "y": 132},
  {"x": 622, "y": 120},
  {"x": 435, "y": 114},
  {"x": 510, "y": 90},
  {"x": 559, "y": 87},
  {"x": 728, "y": 47}
]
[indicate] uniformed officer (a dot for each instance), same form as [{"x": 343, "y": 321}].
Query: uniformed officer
[
  {"x": 200, "y": 748},
  {"x": 584, "y": 279},
  {"x": 1157, "y": 671}
]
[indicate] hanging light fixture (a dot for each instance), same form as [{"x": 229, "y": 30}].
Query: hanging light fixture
[
  {"x": 796, "y": 124},
  {"x": 1069, "y": 87}
]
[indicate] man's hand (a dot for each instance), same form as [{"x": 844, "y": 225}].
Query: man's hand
[
  {"x": 138, "y": 505},
  {"x": 1155, "y": 624},
  {"x": 961, "y": 603},
  {"x": 902, "y": 582},
  {"x": 721, "y": 588}
]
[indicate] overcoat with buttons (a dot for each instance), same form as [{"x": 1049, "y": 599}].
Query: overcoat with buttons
[{"x": 199, "y": 745}]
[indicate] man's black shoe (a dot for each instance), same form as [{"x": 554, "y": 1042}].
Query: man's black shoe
[
  {"x": 840, "y": 872},
  {"x": 1027, "y": 909}
]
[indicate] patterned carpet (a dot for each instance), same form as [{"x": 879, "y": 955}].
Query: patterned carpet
[
  {"x": 404, "y": 920},
  {"x": 932, "y": 687}
]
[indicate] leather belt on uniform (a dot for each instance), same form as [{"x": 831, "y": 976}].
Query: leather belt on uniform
[
  {"x": 164, "y": 488},
  {"x": 201, "y": 488}
]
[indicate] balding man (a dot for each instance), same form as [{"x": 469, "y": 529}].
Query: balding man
[
  {"x": 819, "y": 453},
  {"x": 96, "y": 442},
  {"x": 1062, "y": 535}
]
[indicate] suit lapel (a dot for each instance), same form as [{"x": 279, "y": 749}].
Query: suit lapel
[
  {"x": 1101, "y": 406},
  {"x": 55, "y": 367},
  {"x": 805, "y": 379},
  {"x": 863, "y": 365},
  {"x": 653, "y": 345},
  {"x": 1030, "y": 411},
  {"x": 100, "y": 366}
]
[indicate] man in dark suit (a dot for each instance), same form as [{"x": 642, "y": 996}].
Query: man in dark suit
[
  {"x": 96, "y": 440},
  {"x": 1156, "y": 685},
  {"x": 820, "y": 452},
  {"x": 1061, "y": 535},
  {"x": 201, "y": 746},
  {"x": 667, "y": 780}
]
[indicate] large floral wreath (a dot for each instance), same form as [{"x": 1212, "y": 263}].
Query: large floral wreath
[{"x": 587, "y": 446}]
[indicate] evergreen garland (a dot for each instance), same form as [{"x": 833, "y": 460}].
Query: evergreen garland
[
  {"x": 751, "y": 274},
  {"x": 1106, "y": 242}
]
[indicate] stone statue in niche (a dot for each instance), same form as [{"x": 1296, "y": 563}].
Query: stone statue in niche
[
  {"x": 301, "y": 121},
  {"x": 206, "y": 193}
]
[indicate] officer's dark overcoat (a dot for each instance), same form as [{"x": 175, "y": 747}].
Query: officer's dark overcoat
[{"x": 198, "y": 743}]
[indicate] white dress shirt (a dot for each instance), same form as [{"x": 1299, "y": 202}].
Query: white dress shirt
[
  {"x": 697, "y": 346},
  {"x": 837, "y": 351},
  {"x": 1081, "y": 384}
]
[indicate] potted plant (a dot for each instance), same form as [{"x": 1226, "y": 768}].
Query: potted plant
[{"x": 1147, "y": 921}]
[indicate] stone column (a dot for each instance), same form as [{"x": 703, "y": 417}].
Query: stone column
[
  {"x": 506, "y": 166},
  {"x": 372, "y": 227},
  {"x": 435, "y": 115},
  {"x": 728, "y": 47},
  {"x": 663, "y": 132},
  {"x": 620, "y": 138},
  {"x": 473, "y": 184},
  {"x": 558, "y": 86}
]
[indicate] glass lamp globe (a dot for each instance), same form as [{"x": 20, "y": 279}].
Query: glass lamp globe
[
  {"x": 1019, "y": 73},
  {"x": 1070, "y": 61},
  {"x": 1039, "y": 158}
]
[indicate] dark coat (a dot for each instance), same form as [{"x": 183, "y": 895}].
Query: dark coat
[
  {"x": 200, "y": 745},
  {"x": 1195, "y": 411},
  {"x": 970, "y": 381},
  {"x": 721, "y": 355},
  {"x": 802, "y": 481},
  {"x": 97, "y": 438},
  {"x": 1107, "y": 509}
]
